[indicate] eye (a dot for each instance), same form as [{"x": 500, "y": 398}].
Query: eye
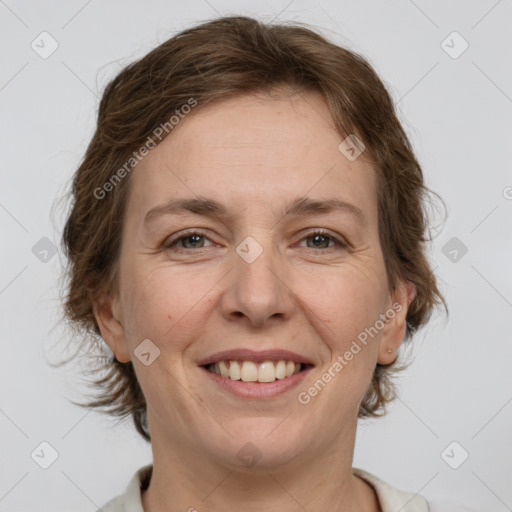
[
  {"x": 321, "y": 239},
  {"x": 190, "y": 240},
  {"x": 195, "y": 239}
]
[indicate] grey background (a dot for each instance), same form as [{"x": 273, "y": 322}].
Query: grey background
[{"x": 458, "y": 114}]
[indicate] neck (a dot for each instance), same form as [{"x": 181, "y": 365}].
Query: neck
[{"x": 186, "y": 480}]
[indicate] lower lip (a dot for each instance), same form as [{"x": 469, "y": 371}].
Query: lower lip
[{"x": 257, "y": 389}]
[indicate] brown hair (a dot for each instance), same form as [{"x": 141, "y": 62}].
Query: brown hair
[{"x": 226, "y": 56}]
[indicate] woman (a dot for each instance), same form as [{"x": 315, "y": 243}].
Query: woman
[{"x": 247, "y": 237}]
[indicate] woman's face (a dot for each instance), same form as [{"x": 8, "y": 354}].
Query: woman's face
[{"x": 250, "y": 283}]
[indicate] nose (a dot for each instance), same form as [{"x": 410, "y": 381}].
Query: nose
[{"x": 259, "y": 291}]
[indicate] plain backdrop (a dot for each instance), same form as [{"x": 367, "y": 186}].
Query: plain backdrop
[{"x": 455, "y": 104}]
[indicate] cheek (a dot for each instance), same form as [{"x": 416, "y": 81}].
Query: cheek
[
  {"x": 345, "y": 300},
  {"x": 344, "y": 313},
  {"x": 165, "y": 305}
]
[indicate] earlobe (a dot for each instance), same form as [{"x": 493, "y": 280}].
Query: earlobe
[
  {"x": 395, "y": 329},
  {"x": 111, "y": 329}
]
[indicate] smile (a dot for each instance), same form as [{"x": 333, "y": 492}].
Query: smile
[
  {"x": 250, "y": 371},
  {"x": 256, "y": 374}
]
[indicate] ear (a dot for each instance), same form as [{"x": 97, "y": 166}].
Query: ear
[
  {"x": 106, "y": 312},
  {"x": 394, "y": 330}
]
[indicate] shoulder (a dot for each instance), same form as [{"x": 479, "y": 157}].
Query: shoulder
[
  {"x": 130, "y": 501},
  {"x": 391, "y": 498}
]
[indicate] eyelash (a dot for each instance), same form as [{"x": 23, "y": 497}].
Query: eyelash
[{"x": 319, "y": 232}]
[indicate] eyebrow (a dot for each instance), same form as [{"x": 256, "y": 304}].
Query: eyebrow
[{"x": 301, "y": 206}]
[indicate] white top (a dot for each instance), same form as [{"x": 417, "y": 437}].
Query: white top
[{"x": 390, "y": 498}]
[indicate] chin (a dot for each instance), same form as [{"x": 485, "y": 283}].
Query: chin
[{"x": 259, "y": 445}]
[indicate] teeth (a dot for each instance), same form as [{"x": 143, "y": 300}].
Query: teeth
[
  {"x": 249, "y": 371},
  {"x": 280, "y": 370},
  {"x": 234, "y": 370},
  {"x": 266, "y": 372},
  {"x": 223, "y": 369}
]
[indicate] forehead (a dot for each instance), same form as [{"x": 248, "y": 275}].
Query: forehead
[{"x": 253, "y": 148}]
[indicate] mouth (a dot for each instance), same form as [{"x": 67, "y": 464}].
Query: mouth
[
  {"x": 251, "y": 371},
  {"x": 257, "y": 368}
]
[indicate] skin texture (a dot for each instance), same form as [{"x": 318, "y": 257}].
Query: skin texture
[{"x": 255, "y": 154}]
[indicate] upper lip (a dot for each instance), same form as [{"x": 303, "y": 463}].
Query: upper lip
[{"x": 257, "y": 356}]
